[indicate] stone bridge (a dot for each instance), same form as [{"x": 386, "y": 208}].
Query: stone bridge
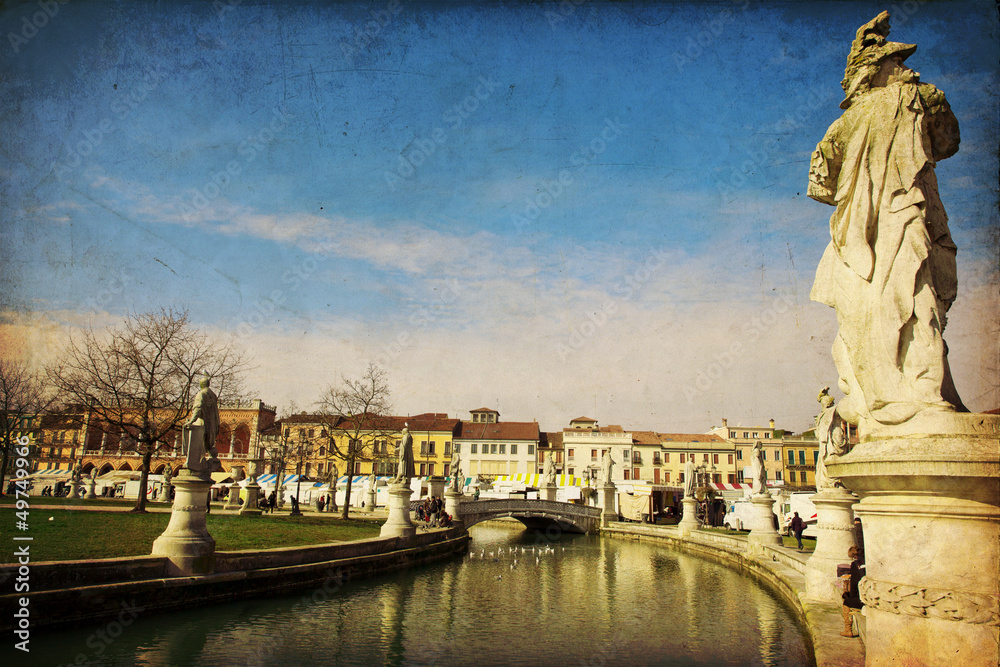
[{"x": 538, "y": 514}]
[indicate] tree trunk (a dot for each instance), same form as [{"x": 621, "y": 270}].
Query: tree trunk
[
  {"x": 147, "y": 458},
  {"x": 350, "y": 478},
  {"x": 3, "y": 466}
]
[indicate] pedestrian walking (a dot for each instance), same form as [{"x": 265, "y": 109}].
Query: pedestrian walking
[{"x": 797, "y": 527}]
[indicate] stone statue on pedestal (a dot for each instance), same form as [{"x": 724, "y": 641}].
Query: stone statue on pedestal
[
  {"x": 689, "y": 477},
  {"x": 889, "y": 270},
  {"x": 549, "y": 471},
  {"x": 758, "y": 470},
  {"x": 406, "y": 468},
  {"x": 606, "y": 465},
  {"x": 832, "y": 441},
  {"x": 201, "y": 438},
  {"x": 457, "y": 476}
]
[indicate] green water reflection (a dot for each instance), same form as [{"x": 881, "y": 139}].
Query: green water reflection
[{"x": 518, "y": 598}]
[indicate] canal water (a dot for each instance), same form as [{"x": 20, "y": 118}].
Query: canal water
[{"x": 519, "y": 598}]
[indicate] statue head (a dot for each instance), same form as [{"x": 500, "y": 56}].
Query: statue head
[
  {"x": 869, "y": 51},
  {"x": 205, "y": 382}
]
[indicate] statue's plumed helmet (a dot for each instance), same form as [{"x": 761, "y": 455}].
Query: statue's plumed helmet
[{"x": 868, "y": 50}]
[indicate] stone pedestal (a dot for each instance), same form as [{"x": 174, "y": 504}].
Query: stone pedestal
[
  {"x": 930, "y": 506},
  {"x": 548, "y": 492},
  {"x": 834, "y": 537},
  {"x": 399, "y": 524},
  {"x": 435, "y": 486},
  {"x": 689, "y": 519},
  {"x": 608, "y": 511},
  {"x": 253, "y": 497},
  {"x": 74, "y": 490},
  {"x": 370, "y": 499},
  {"x": 452, "y": 505},
  {"x": 91, "y": 493},
  {"x": 762, "y": 532},
  {"x": 186, "y": 542},
  {"x": 165, "y": 492},
  {"x": 233, "y": 500}
]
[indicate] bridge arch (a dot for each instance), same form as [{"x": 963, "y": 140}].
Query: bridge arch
[{"x": 535, "y": 514}]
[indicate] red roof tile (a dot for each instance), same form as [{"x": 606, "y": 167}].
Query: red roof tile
[
  {"x": 551, "y": 440},
  {"x": 498, "y": 431}
]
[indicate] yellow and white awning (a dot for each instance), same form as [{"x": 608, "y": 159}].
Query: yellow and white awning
[{"x": 535, "y": 480}]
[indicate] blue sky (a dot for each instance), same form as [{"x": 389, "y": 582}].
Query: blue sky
[{"x": 548, "y": 209}]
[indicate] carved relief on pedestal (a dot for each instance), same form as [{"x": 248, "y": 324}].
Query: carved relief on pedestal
[{"x": 930, "y": 602}]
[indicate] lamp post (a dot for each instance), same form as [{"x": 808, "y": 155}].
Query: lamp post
[
  {"x": 279, "y": 490},
  {"x": 303, "y": 448}
]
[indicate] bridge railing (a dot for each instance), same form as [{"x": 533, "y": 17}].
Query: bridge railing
[{"x": 503, "y": 505}]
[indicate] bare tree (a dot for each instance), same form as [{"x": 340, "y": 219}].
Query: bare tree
[
  {"x": 140, "y": 378},
  {"x": 353, "y": 414},
  {"x": 22, "y": 399}
]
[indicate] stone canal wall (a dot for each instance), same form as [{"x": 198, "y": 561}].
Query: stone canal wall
[
  {"x": 779, "y": 568},
  {"x": 68, "y": 592}
]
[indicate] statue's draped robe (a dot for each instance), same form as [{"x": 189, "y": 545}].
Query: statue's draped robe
[
  {"x": 406, "y": 467},
  {"x": 889, "y": 270}
]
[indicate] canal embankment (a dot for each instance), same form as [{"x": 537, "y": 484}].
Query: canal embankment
[
  {"x": 64, "y": 593},
  {"x": 780, "y": 568}
]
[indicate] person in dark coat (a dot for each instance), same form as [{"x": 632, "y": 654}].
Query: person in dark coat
[{"x": 798, "y": 525}]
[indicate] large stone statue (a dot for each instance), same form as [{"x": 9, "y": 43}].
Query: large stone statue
[
  {"x": 759, "y": 472},
  {"x": 889, "y": 270},
  {"x": 334, "y": 476},
  {"x": 457, "y": 476},
  {"x": 549, "y": 471},
  {"x": 204, "y": 412},
  {"x": 606, "y": 465},
  {"x": 831, "y": 438},
  {"x": 689, "y": 477},
  {"x": 406, "y": 468}
]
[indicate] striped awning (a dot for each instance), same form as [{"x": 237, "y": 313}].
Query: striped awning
[
  {"x": 50, "y": 472},
  {"x": 529, "y": 479},
  {"x": 273, "y": 479},
  {"x": 743, "y": 486}
]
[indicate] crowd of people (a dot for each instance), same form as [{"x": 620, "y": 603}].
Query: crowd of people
[{"x": 432, "y": 513}]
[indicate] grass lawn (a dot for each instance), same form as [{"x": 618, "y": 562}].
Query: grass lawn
[
  {"x": 75, "y": 535},
  {"x": 808, "y": 543}
]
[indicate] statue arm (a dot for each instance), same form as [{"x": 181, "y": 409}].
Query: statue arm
[
  {"x": 941, "y": 124},
  {"x": 824, "y": 168}
]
